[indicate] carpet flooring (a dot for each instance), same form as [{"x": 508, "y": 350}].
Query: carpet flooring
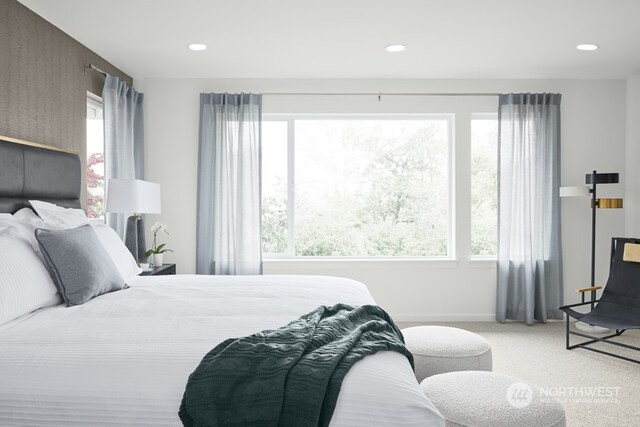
[{"x": 537, "y": 354}]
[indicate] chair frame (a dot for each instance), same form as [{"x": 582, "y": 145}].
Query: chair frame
[{"x": 592, "y": 339}]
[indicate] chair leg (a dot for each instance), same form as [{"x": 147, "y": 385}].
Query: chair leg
[{"x": 567, "y": 332}]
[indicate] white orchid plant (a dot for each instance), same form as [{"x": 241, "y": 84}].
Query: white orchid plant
[{"x": 158, "y": 249}]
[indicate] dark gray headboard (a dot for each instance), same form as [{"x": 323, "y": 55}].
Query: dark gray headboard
[{"x": 33, "y": 171}]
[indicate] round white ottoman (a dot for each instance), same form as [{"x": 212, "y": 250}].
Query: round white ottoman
[
  {"x": 478, "y": 398},
  {"x": 440, "y": 349}
]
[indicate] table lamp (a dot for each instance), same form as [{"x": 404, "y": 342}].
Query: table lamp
[{"x": 133, "y": 196}]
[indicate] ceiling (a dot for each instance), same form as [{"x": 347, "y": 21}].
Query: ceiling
[{"x": 346, "y": 38}]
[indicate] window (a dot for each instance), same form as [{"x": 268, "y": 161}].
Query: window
[
  {"x": 95, "y": 157},
  {"x": 356, "y": 186},
  {"x": 484, "y": 192},
  {"x": 275, "y": 239}
]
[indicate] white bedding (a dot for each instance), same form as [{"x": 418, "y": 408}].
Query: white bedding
[{"x": 124, "y": 358}]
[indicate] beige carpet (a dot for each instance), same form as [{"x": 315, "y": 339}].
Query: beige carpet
[{"x": 537, "y": 354}]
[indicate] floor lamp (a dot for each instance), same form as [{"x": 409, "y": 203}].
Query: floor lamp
[
  {"x": 594, "y": 179},
  {"x": 137, "y": 197}
]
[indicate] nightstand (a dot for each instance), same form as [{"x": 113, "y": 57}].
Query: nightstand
[{"x": 163, "y": 270}]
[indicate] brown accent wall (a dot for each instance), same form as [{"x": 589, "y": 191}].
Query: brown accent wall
[{"x": 43, "y": 86}]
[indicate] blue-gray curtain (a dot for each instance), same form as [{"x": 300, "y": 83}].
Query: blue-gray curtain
[
  {"x": 123, "y": 138},
  {"x": 228, "y": 235},
  {"x": 529, "y": 242}
]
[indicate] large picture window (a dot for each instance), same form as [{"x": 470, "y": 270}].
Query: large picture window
[{"x": 357, "y": 186}]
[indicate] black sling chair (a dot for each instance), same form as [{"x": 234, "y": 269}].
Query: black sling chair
[{"x": 619, "y": 306}]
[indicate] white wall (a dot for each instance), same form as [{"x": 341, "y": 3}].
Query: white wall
[
  {"x": 593, "y": 137},
  {"x": 632, "y": 183}
]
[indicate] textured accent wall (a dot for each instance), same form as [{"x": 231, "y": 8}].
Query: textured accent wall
[{"x": 43, "y": 87}]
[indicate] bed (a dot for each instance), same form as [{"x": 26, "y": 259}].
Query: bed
[{"x": 123, "y": 358}]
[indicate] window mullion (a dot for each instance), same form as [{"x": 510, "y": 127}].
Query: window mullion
[{"x": 462, "y": 186}]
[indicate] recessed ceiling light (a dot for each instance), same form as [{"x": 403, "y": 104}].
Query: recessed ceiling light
[
  {"x": 587, "y": 46},
  {"x": 395, "y": 48},
  {"x": 197, "y": 47}
]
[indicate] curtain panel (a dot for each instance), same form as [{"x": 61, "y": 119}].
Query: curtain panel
[
  {"x": 228, "y": 225},
  {"x": 123, "y": 138},
  {"x": 529, "y": 249}
]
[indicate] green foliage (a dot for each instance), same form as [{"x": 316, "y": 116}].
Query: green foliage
[
  {"x": 159, "y": 250},
  {"x": 274, "y": 222},
  {"x": 484, "y": 201},
  {"x": 323, "y": 237},
  {"x": 393, "y": 200}
]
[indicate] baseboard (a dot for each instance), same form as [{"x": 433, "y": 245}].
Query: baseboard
[{"x": 408, "y": 318}]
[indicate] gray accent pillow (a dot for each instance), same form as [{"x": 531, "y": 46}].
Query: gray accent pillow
[{"x": 78, "y": 263}]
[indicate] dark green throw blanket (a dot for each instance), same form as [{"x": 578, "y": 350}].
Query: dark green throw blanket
[{"x": 289, "y": 376}]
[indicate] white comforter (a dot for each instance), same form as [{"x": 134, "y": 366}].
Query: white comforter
[{"x": 124, "y": 358}]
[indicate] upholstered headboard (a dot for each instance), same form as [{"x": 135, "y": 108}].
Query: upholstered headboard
[{"x": 33, "y": 171}]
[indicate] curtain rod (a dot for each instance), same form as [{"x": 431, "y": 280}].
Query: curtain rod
[
  {"x": 91, "y": 67},
  {"x": 378, "y": 94}
]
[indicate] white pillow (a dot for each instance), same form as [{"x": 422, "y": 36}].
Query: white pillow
[
  {"x": 30, "y": 222},
  {"x": 54, "y": 217},
  {"x": 57, "y": 217},
  {"x": 25, "y": 283},
  {"x": 29, "y": 216},
  {"x": 119, "y": 253}
]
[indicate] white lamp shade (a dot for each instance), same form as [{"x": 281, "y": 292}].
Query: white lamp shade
[
  {"x": 133, "y": 196},
  {"x": 580, "y": 191}
]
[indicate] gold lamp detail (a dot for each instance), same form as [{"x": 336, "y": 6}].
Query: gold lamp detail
[{"x": 609, "y": 203}]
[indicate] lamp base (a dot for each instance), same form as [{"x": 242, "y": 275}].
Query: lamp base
[{"x": 134, "y": 237}]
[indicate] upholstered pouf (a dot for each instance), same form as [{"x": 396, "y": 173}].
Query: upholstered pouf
[
  {"x": 478, "y": 398},
  {"x": 440, "y": 349}
]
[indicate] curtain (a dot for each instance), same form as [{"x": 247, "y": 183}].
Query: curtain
[
  {"x": 529, "y": 257},
  {"x": 123, "y": 138},
  {"x": 228, "y": 214}
]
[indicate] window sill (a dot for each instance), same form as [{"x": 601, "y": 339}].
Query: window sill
[
  {"x": 371, "y": 263},
  {"x": 483, "y": 263},
  {"x": 302, "y": 263}
]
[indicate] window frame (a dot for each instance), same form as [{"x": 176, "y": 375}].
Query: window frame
[{"x": 290, "y": 118}]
